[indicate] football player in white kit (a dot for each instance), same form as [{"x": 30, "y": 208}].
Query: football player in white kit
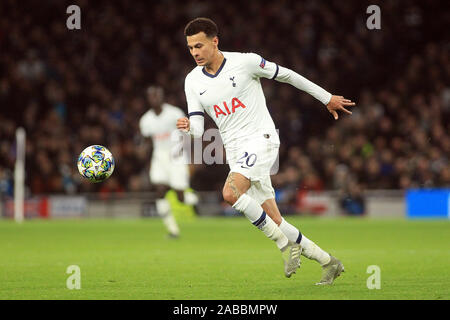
[
  {"x": 167, "y": 171},
  {"x": 226, "y": 85}
]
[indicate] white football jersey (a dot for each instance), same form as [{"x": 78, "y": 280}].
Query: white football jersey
[
  {"x": 233, "y": 97},
  {"x": 162, "y": 128}
]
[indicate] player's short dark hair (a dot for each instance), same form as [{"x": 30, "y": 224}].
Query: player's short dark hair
[{"x": 201, "y": 25}]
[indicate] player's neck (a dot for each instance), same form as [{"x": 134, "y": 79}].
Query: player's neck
[
  {"x": 157, "y": 110},
  {"x": 215, "y": 64}
]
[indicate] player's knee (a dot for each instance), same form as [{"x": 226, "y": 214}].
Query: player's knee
[{"x": 228, "y": 195}]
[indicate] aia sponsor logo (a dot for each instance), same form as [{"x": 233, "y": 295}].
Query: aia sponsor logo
[{"x": 235, "y": 103}]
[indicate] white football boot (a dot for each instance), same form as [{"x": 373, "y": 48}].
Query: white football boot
[
  {"x": 291, "y": 256},
  {"x": 331, "y": 271}
]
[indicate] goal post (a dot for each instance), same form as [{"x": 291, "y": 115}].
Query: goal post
[{"x": 19, "y": 176}]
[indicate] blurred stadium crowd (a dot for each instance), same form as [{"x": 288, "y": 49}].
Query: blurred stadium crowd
[{"x": 71, "y": 89}]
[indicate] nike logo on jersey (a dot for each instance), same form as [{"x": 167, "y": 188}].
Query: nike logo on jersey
[{"x": 203, "y": 92}]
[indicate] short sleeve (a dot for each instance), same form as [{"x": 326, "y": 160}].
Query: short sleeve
[{"x": 260, "y": 67}]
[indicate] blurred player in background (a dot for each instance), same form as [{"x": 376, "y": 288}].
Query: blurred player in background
[
  {"x": 226, "y": 85},
  {"x": 167, "y": 171}
]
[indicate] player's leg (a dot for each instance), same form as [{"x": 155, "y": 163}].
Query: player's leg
[
  {"x": 298, "y": 243},
  {"x": 310, "y": 249},
  {"x": 179, "y": 182},
  {"x": 187, "y": 197},
  {"x": 160, "y": 178},
  {"x": 234, "y": 192},
  {"x": 164, "y": 210},
  {"x": 331, "y": 266},
  {"x": 262, "y": 191},
  {"x": 180, "y": 195}
]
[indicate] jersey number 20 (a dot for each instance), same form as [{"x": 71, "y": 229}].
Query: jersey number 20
[{"x": 247, "y": 160}]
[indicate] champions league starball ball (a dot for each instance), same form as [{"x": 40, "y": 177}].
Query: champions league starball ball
[{"x": 96, "y": 163}]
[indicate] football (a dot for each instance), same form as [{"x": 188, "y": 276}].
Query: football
[{"x": 96, "y": 163}]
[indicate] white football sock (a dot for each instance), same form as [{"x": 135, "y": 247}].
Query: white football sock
[
  {"x": 254, "y": 212},
  {"x": 291, "y": 232},
  {"x": 190, "y": 198},
  {"x": 313, "y": 251},
  {"x": 163, "y": 209}
]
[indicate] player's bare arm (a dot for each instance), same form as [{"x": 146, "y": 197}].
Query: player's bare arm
[{"x": 338, "y": 103}]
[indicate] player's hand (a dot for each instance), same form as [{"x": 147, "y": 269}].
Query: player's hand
[
  {"x": 338, "y": 103},
  {"x": 183, "y": 124}
]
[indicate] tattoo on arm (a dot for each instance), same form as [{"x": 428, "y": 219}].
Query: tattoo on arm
[{"x": 231, "y": 183}]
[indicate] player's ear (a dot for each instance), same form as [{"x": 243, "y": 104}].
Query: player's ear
[{"x": 216, "y": 41}]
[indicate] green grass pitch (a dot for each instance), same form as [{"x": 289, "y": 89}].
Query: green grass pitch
[{"x": 219, "y": 258}]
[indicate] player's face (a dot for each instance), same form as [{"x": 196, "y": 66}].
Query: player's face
[
  {"x": 202, "y": 48},
  {"x": 155, "y": 96}
]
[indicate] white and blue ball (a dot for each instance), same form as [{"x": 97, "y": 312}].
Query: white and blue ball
[{"x": 96, "y": 163}]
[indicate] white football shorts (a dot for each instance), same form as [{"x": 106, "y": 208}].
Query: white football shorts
[
  {"x": 256, "y": 158},
  {"x": 167, "y": 172}
]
